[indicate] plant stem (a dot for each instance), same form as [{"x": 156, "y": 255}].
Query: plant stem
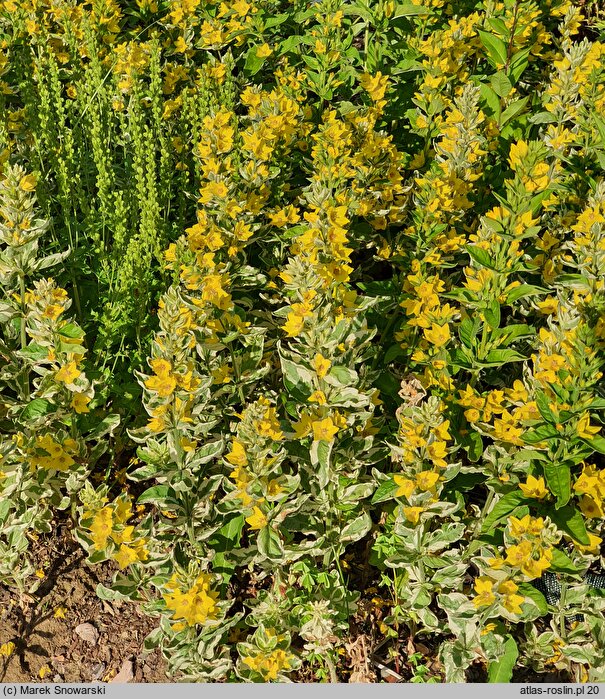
[{"x": 23, "y": 333}]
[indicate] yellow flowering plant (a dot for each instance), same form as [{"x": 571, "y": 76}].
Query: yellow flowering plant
[{"x": 323, "y": 346}]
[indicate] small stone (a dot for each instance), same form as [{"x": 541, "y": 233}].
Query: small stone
[
  {"x": 88, "y": 633},
  {"x": 126, "y": 673},
  {"x": 97, "y": 670}
]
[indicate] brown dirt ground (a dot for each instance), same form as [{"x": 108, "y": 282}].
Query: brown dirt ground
[{"x": 43, "y": 640}]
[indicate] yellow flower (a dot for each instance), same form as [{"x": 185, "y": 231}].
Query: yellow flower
[
  {"x": 534, "y": 568},
  {"x": 584, "y": 429},
  {"x": 101, "y": 527},
  {"x": 214, "y": 293},
  {"x": 318, "y": 397},
  {"x": 196, "y": 605},
  {"x": 268, "y": 665},
  {"x": 406, "y": 486},
  {"x": 237, "y": 455},
  {"x": 534, "y": 488},
  {"x": 321, "y": 365},
  {"x": 6, "y": 649},
  {"x": 125, "y": 556},
  {"x": 258, "y": 519},
  {"x": 375, "y": 85},
  {"x": 28, "y": 183},
  {"x": 517, "y": 555},
  {"x": 526, "y": 525},
  {"x": 324, "y": 430},
  {"x": 412, "y": 514},
  {"x": 518, "y": 151},
  {"x": 60, "y": 613},
  {"x": 161, "y": 367},
  {"x": 163, "y": 385},
  {"x": 591, "y": 507},
  {"x": 485, "y": 595},
  {"x": 593, "y": 547},
  {"x": 590, "y": 482},
  {"x": 511, "y": 602},
  {"x": 426, "y": 480},
  {"x": 437, "y": 453},
  {"x": 68, "y": 373},
  {"x": 52, "y": 311},
  {"x": 442, "y": 430},
  {"x": 264, "y": 51},
  {"x": 80, "y": 402},
  {"x": 472, "y": 415},
  {"x": 437, "y": 335},
  {"x": 303, "y": 427},
  {"x": 294, "y": 324}
]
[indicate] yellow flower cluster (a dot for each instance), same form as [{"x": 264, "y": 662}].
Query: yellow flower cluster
[
  {"x": 52, "y": 455},
  {"x": 590, "y": 485},
  {"x": 109, "y": 525},
  {"x": 269, "y": 664},
  {"x": 530, "y": 546},
  {"x": 195, "y": 603}
]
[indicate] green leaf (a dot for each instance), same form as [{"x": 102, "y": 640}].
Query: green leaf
[
  {"x": 501, "y": 356},
  {"x": 544, "y": 407},
  {"x": 359, "y": 11},
  {"x": 473, "y": 443},
  {"x": 106, "y": 426},
  {"x": 501, "y": 670},
  {"x": 491, "y": 99},
  {"x": 481, "y": 256},
  {"x": 107, "y": 593},
  {"x": 528, "y": 590},
  {"x": 344, "y": 375},
  {"x": 558, "y": 479},
  {"x": 569, "y": 520},
  {"x": 72, "y": 331},
  {"x": 518, "y": 64},
  {"x": 507, "y": 504},
  {"x": 540, "y": 433},
  {"x": 290, "y": 43},
  {"x": 298, "y": 380},
  {"x": 392, "y": 353},
  {"x": 492, "y": 315},
  {"x": 385, "y": 491},
  {"x": 223, "y": 541},
  {"x": 357, "y": 529},
  {"x": 513, "y": 110},
  {"x": 542, "y": 118},
  {"x": 509, "y": 333},
  {"x": 409, "y": 10},
  {"x": 37, "y": 408},
  {"x": 155, "y": 494},
  {"x": 468, "y": 329},
  {"x": 499, "y": 26},
  {"x": 495, "y": 47},
  {"x": 501, "y": 84},
  {"x": 523, "y": 290},
  {"x": 320, "y": 457},
  {"x": 253, "y": 62},
  {"x": 269, "y": 543},
  {"x": 562, "y": 563},
  {"x": 597, "y": 443},
  {"x": 34, "y": 352},
  {"x": 276, "y": 20}
]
